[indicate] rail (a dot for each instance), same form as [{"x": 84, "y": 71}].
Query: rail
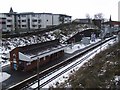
[{"x": 28, "y": 82}]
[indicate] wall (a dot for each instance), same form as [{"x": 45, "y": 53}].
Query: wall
[
  {"x": 14, "y": 58},
  {"x": 47, "y": 19},
  {"x": 43, "y": 61},
  {"x": 119, "y": 11},
  {"x": 56, "y": 19}
]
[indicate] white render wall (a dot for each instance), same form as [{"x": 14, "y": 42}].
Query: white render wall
[
  {"x": 46, "y": 20},
  {"x": 2, "y": 27},
  {"x": 41, "y": 19},
  {"x": 56, "y": 19},
  {"x": 10, "y": 23},
  {"x": 119, "y": 11}
]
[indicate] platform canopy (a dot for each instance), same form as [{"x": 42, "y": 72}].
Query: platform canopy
[
  {"x": 30, "y": 58},
  {"x": 33, "y": 52}
]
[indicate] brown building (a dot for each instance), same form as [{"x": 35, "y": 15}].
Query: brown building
[{"x": 25, "y": 58}]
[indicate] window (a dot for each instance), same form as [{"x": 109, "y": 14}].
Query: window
[
  {"x": 9, "y": 20},
  {"x": 18, "y": 25},
  {"x": 23, "y": 20},
  {"x": 9, "y": 15},
  {"x": 39, "y": 26},
  {"x": 23, "y": 15},
  {"x": 34, "y": 25},
  {"x": 23, "y": 25},
  {"x": 18, "y": 16},
  {"x": 33, "y": 15},
  {"x": 19, "y": 21},
  {"x": 3, "y": 18},
  {"x": 34, "y": 20},
  {"x": 3, "y": 22},
  {"x": 39, "y": 21},
  {"x": 9, "y": 26}
]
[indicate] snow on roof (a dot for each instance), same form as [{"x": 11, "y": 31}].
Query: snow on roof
[
  {"x": 30, "y": 58},
  {"x": 24, "y": 57}
]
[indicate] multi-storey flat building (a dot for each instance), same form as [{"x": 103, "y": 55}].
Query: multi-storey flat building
[
  {"x": 13, "y": 21},
  {"x": 119, "y": 11}
]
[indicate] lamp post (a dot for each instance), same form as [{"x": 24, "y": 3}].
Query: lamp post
[{"x": 38, "y": 73}]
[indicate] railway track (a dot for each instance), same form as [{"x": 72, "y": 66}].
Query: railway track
[
  {"x": 32, "y": 80},
  {"x": 69, "y": 67}
]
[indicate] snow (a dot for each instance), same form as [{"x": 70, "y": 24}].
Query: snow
[
  {"x": 52, "y": 37},
  {"x": 15, "y": 42},
  {"x": 24, "y": 57},
  {"x": 5, "y": 64},
  {"x": 4, "y": 76},
  {"x": 117, "y": 78},
  {"x": 5, "y": 54},
  {"x": 9, "y": 44},
  {"x": 49, "y": 52},
  {"x": 75, "y": 47},
  {"x": 65, "y": 76}
]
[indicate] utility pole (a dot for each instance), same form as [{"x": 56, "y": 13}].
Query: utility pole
[
  {"x": 1, "y": 75},
  {"x": 38, "y": 73}
]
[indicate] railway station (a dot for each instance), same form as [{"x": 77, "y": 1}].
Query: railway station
[
  {"x": 26, "y": 57},
  {"x": 49, "y": 54}
]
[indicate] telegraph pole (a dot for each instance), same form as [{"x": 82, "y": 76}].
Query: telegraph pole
[{"x": 38, "y": 74}]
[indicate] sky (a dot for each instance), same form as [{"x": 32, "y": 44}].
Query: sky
[{"x": 74, "y": 8}]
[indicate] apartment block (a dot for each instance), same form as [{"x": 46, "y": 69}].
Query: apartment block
[
  {"x": 29, "y": 20},
  {"x": 119, "y": 11}
]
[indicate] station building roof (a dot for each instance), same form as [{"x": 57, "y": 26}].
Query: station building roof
[
  {"x": 112, "y": 23},
  {"x": 32, "y": 52}
]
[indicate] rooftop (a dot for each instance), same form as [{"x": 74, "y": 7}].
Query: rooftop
[{"x": 34, "y": 51}]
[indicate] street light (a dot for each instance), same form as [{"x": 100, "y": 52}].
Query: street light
[{"x": 38, "y": 73}]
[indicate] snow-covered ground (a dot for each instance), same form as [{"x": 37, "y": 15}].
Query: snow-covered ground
[
  {"x": 11, "y": 43},
  {"x": 72, "y": 48},
  {"x": 4, "y": 76},
  {"x": 65, "y": 76},
  {"x": 62, "y": 78}
]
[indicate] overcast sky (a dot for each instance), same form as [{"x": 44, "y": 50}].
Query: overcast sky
[{"x": 74, "y": 8}]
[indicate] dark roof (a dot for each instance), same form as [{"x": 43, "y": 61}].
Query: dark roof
[
  {"x": 63, "y": 15},
  {"x": 112, "y": 23},
  {"x": 35, "y": 48}
]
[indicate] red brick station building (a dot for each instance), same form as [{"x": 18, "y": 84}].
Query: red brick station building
[{"x": 26, "y": 58}]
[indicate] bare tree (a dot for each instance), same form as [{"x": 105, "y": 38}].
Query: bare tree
[
  {"x": 87, "y": 16},
  {"x": 98, "y": 16}
]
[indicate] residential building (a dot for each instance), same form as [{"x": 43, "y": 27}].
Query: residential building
[
  {"x": 119, "y": 11},
  {"x": 29, "y": 20}
]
